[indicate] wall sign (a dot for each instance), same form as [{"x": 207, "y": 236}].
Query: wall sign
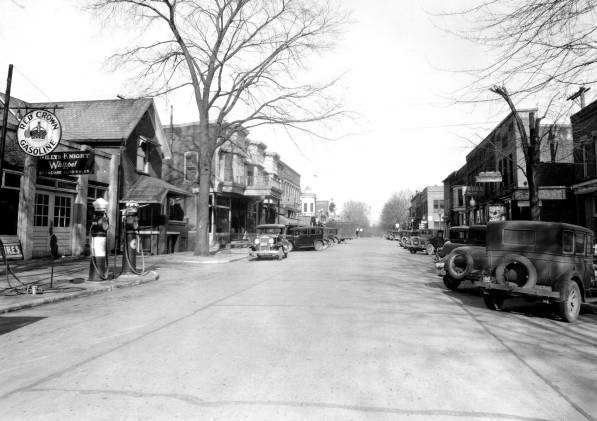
[
  {"x": 66, "y": 163},
  {"x": 39, "y": 132}
]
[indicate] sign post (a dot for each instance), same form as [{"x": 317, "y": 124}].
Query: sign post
[{"x": 5, "y": 122}]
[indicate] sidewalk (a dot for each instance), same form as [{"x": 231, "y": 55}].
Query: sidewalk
[{"x": 70, "y": 277}]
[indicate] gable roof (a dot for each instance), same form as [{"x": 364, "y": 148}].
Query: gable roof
[
  {"x": 110, "y": 119},
  {"x": 101, "y": 120},
  {"x": 152, "y": 190}
]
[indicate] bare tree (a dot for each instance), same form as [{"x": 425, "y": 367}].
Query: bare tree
[
  {"x": 542, "y": 49},
  {"x": 534, "y": 45},
  {"x": 356, "y": 212},
  {"x": 395, "y": 210},
  {"x": 243, "y": 61}
]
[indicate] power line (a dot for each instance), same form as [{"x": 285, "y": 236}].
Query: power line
[{"x": 32, "y": 84}]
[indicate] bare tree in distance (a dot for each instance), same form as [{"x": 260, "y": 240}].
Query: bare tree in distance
[
  {"x": 242, "y": 59},
  {"x": 356, "y": 212},
  {"x": 395, "y": 210}
]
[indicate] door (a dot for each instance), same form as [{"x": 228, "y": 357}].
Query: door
[{"x": 52, "y": 210}]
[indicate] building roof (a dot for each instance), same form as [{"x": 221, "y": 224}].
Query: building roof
[
  {"x": 99, "y": 120},
  {"x": 151, "y": 190},
  {"x": 111, "y": 119}
]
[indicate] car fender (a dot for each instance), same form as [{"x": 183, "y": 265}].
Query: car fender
[{"x": 573, "y": 274}]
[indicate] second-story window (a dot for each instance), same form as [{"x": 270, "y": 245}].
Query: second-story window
[
  {"x": 305, "y": 207},
  {"x": 310, "y": 207},
  {"x": 143, "y": 151},
  {"x": 191, "y": 166}
]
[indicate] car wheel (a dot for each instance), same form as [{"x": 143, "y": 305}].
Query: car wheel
[
  {"x": 451, "y": 283},
  {"x": 493, "y": 301},
  {"x": 455, "y": 261},
  {"x": 280, "y": 254},
  {"x": 430, "y": 249},
  {"x": 318, "y": 245},
  {"x": 290, "y": 246},
  {"x": 413, "y": 251},
  {"x": 570, "y": 301}
]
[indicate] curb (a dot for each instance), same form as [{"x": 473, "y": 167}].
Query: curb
[
  {"x": 217, "y": 262},
  {"x": 134, "y": 280}
]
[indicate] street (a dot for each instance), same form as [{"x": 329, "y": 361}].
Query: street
[{"x": 363, "y": 330}]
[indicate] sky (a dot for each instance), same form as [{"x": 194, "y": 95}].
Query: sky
[{"x": 395, "y": 56}]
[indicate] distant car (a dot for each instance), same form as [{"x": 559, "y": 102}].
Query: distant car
[
  {"x": 270, "y": 242},
  {"x": 464, "y": 257},
  {"x": 548, "y": 261},
  {"x": 303, "y": 237},
  {"x": 426, "y": 240}
]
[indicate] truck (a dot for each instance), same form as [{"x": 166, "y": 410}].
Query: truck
[{"x": 345, "y": 229}]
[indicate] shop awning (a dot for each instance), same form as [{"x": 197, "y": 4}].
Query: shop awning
[{"x": 152, "y": 190}]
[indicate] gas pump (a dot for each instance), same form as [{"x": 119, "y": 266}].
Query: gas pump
[
  {"x": 98, "y": 267},
  {"x": 130, "y": 222}
]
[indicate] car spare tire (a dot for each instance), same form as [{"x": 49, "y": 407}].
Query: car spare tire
[
  {"x": 518, "y": 269},
  {"x": 459, "y": 263}
]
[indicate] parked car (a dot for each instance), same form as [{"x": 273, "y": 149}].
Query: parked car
[
  {"x": 330, "y": 236},
  {"x": 548, "y": 261},
  {"x": 426, "y": 240},
  {"x": 270, "y": 242},
  {"x": 306, "y": 237},
  {"x": 405, "y": 238},
  {"x": 465, "y": 260}
]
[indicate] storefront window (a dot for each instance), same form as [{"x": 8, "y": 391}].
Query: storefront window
[
  {"x": 62, "y": 208},
  {"x": 9, "y": 208},
  {"x": 42, "y": 206},
  {"x": 175, "y": 209}
]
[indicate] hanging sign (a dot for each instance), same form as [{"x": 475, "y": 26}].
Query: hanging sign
[
  {"x": 489, "y": 177},
  {"x": 39, "y": 132},
  {"x": 66, "y": 163}
]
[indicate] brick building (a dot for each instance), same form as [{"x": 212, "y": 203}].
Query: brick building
[{"x": 473, "y": 199}]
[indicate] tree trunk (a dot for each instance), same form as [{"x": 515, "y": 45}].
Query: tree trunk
[
  {"x": 532, "y": 164},
  {"x": 203, "y": 220}
]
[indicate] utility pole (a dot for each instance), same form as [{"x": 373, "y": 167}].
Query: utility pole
[{"x": 5, "y": 122}]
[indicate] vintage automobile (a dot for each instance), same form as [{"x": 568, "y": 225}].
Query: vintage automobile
[
  {"x": 331, "y": 234},
  {"x": 306, "y": 237},
  {"x": 405, "y": 237},
  {"x": 546, "y": 261},
  {"x": 456, "y": 237},
  {"x": 426, "y": 240},
  {"x": 465, "y": 261},
  {"x": 271, "y": 242}
]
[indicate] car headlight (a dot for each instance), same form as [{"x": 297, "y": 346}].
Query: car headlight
[{"x": 256, "y": 241}]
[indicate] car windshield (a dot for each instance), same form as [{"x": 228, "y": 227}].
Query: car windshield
[{"x": 269, "y": 230}]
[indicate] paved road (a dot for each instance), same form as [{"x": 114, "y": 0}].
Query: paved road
[{"x": 358, "y": 331}]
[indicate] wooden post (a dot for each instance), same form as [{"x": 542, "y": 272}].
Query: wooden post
[
  {"x": 112, "y": 199},
  {"x": 27, "y": 206},
  {"x": 79, "y": 234},
  {"x": 5, "y": 121}
]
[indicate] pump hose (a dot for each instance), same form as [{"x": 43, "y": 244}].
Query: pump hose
[{"x": 142, "y": 272}]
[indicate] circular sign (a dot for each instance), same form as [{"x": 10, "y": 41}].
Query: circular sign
[{"x": 39, "y": 133}]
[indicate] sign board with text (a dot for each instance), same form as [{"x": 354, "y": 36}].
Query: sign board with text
[{"x": 66, "y": 163}]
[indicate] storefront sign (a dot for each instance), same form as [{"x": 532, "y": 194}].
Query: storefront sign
[
  {"x": 489, "y": 177},
  {"x": 39, "y": 133},
  {"x": 496, "y": 213},
  {"x": 66, "y": 163}
]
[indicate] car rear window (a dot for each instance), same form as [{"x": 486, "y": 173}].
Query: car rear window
[
  {"x": 590, "y": 249},
  {"x": 568, "y": 242},
  {"x": 518, "y": 237}
]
